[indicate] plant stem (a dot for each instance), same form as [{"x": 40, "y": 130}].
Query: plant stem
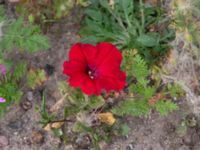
[
  {"x": 62, "y": 120},
  {"x": 142, "y": 16}
]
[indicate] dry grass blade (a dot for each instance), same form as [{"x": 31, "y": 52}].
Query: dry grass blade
[{"x": 58, "y": 104}]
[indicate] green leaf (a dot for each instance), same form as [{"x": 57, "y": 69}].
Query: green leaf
[
  {"x": 35, "y": 42},
  {"x": 94, "y": 14},
  {"x": 70, "y": 110},
  {"x": 89, "y": 39},
  {"x": 58, "y": 132},
  {"x": 139, "y": 68},
  {"x": 165, "y": 107},
  {"x": 149, "y": 92},
  {"x": 45, "y": 116},
  {"x": 124, "y": 129},
  {"x": 104, "y": 3},
  {"x": 24, "y": 37},
  {"x": 175, "y": 90},
  {"x": 120, "y": 24},
  {"x": 148, "y": 40},
  {"x": 19, "y": 71},
  {"x": 132, "y": 107},
  {"x": 96, "y": 101}
]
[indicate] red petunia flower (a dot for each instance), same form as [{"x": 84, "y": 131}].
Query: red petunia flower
[{"x": 95, "y": 68}]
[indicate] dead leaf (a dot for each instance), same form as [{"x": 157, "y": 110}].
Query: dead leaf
[
  {"x": 107, "y": 118},
  {"x": 58, "y": 104},
  {"x": 152, "y": 101},
  {"x": 54, "y": 125},
  {"x": 47, "y": 127},
  {"x": 57, "y": 125},
  {"x": 170, "y": 57},
  {"x": 37, "y": 137}
]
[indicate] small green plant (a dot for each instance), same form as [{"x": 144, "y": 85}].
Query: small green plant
[
  {"x": 144, "y": 96},
  {"x": 25, "y": 37},
  {"x": 35, "y": 78},
  {"x": 10, "y": 89},
  {"x": 128, "y": 24},
  {"x": 188, "y": 121},
  {"x": 85, "y": 110},
  {"x": 45, "y": 116},
  {"x": 48, "y": 11}
]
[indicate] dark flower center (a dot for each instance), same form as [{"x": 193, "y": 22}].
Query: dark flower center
[{"x": 92, "y": 71}]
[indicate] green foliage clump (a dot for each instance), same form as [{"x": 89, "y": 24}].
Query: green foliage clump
[
  {"x": 47, "y": 11},
  {"x": 35, "y": 78},
  {"x": 9, "y": 88},
  {"x": 164, "y": 107},
  {"x": 142, "y": 91},
  {"x": 45, "y": 116},
  {"x": 24, "y": 37},
  {"x": 128, "y": 24},
  {"x": 132, "y": 107}
]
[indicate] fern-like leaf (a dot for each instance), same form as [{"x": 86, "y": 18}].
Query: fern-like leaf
[
  {"x": 165, "y": 107},
  {"x": 24, "y": 37},
  {"x": 19, "y": 71},
  {"x": 132, "y": 107},
  {"x": 139, "y": 69}
]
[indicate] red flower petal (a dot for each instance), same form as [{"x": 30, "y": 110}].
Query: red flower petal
[
  {"x": 113, "y": 83},
  {"x": 73, "y": 67},
  {"x": 76, "y": 53},
  {"x": 90, "y": 52},
  {"x": 77, "y": 79},
  {"x": 94, "y": 68},
  {"x": 108, "y": 55},
  {"x": 88, "y": 87}
]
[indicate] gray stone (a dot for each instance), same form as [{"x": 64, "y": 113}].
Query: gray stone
[
  {"x": 129, "y": 147},
  {"x": 3, "y": 141},
  {"x": 30, "y": 95}
]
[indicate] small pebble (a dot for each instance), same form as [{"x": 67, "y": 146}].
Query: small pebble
[
  {"x": 69, "y": 147},
  {"x": 16, "y": 124},
  {"x": 184, "y": 147},
  {"x": 129, "y": 147},
  {"x": 102, "y": 145},
  {"x": 187, "y": 139},
  {"x": 30, "y": 96},
  {"x": 26, "y": 105},
  {"x": 37, "y": 137},
  {"x": 195, "y": 138},
  {"x": 3, "y": 141}
]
